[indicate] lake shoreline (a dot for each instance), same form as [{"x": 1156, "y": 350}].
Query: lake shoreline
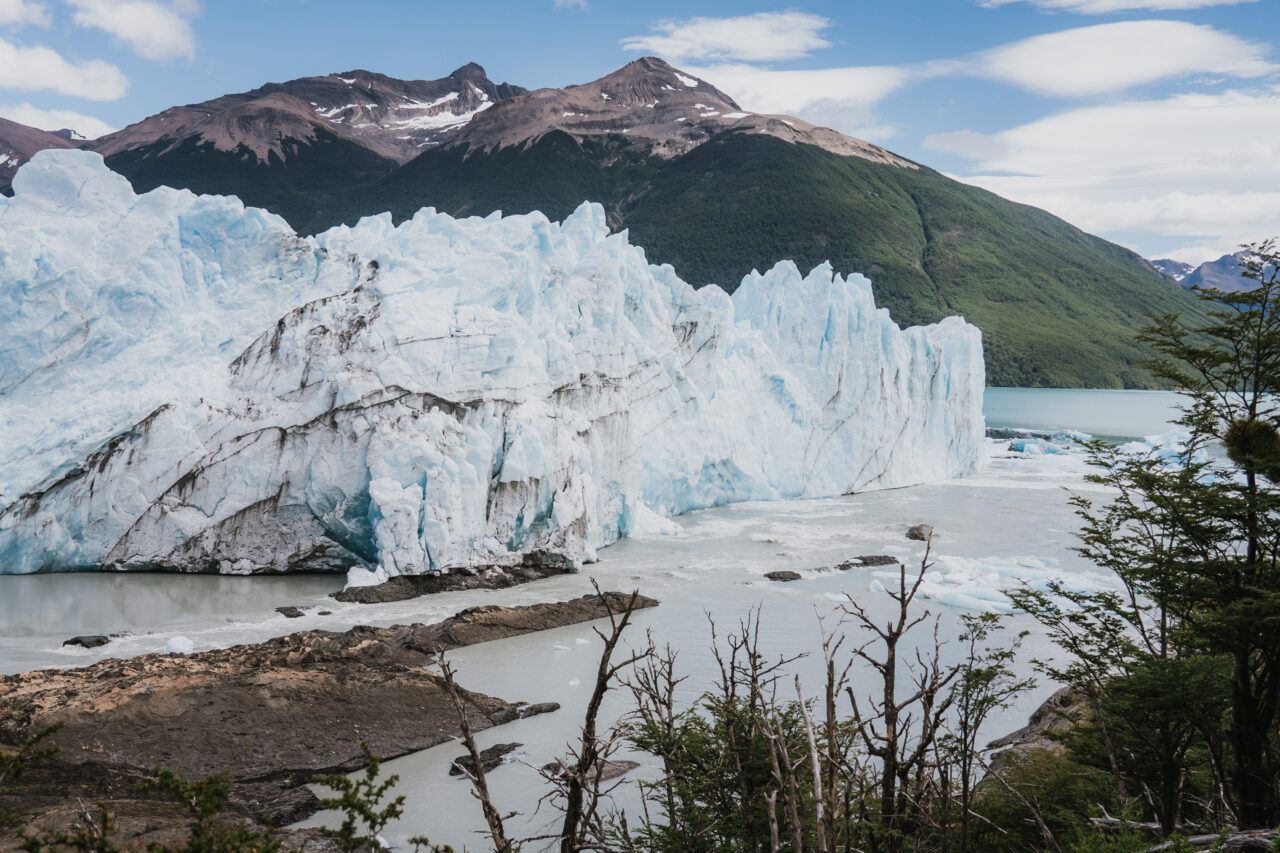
[{"x": 270, "y": 715}]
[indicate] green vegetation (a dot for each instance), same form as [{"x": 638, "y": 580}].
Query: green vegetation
[
  {"x": 360, "y": 801},
  {"x": 1057, "y": 307},
  {"x": 1182, "y": 668},
  {"x": 315, "y": 177}
]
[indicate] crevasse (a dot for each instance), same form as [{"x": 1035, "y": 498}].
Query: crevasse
[{"x": 186, "y": 384}]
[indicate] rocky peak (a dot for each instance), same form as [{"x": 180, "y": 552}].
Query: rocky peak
[
  {"x": 651, "y": 101},
  {"x": 651, "y": 79},
  {"x": 470, "y": 71},
  {"x": 394, "y": 118}
]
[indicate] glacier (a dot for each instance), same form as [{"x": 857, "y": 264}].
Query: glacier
[{"x": 186, "y": 384}]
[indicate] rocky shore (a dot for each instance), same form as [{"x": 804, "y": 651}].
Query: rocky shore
[
  {"x": 270, "y": 716},
  {"x": 404, "y": 587}
]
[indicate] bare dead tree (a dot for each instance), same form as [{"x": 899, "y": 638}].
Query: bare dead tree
[
  {"x": 746, "y": 686},
  {"x": 784, "y": 774},
  {"x": 479, "y": 785},
  {"x": 836, "y": 769},
  {"x": 582, "y": 777},
  {"x": 653, "y": 683},
  {"x": 900, "y": 731},
  {"x": 819, "y": 803}
]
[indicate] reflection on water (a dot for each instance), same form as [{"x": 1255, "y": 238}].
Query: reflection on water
[{"x": 40, "y": 611}]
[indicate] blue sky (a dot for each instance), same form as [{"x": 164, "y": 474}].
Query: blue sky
[{"x": 1155, "y": 123}]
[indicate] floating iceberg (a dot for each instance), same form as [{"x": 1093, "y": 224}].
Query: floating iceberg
[{"x": 185, "y": 384}]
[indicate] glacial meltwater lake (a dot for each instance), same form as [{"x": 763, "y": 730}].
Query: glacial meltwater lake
[{"x": 1008, "y": 524}]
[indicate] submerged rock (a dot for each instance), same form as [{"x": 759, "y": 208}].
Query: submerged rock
[
  {"x": 783, "y": 575},
  {"x": 868, "y": 561},
  {"x": 920, "y": 532},
  {"x": 88, "y": 641},
  {"x": 490, "y": 758},
  {"x": 609, "y": 769}
]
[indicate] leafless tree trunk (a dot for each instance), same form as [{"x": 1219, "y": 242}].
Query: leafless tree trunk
[
  {"x": 582, "y": 778},
  {"x": 480, "y": 787},
  {"x": 900, "y": 731},
  {"x": 819, "y": 802}
]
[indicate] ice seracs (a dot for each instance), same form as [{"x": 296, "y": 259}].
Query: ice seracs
[{"x": 187, "y": 385}]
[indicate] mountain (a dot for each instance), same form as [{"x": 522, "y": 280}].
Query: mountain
[
  {"x": 394, "y": 119},
  {"x": 1222, "y": 274},
  {"x": 1175, "y": 270},
  {"x": 299, "y": 147},
  {"x": 649, "y": 102},
  {"x": 18, "y": 143},
  {"x": 699, "y": 182}
]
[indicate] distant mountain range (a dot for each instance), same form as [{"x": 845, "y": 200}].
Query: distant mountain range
[
  {"x": 1222, "y": 274},
  {"x": 702, "y": 184}
]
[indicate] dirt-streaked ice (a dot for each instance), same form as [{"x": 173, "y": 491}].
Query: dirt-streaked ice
[{"x": 186, "y": 384}]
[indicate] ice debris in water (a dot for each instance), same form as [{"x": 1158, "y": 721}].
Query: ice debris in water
[
  {"x": 1169, "y": 448},
  {"x": 1039, "y": 443},
  {"x": 186, "y": 384},
  {"x": 979, "y": 583},
  {"x": 179, "y": 646}
]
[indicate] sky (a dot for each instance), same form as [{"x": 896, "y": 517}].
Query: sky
[{"x": 1153, "y": 123}]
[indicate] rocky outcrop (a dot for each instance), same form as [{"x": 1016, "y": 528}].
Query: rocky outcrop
[
  {"x": 404, "y": 587},
  {"x": 88, "y": 641},
  {"x": 270, "y": 716},
  {"x": 489, "y": 759}
]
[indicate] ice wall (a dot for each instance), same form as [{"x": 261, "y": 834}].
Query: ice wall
[{"x": 186, "y": 384}]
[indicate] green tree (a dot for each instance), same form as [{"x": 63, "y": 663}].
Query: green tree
[
  {"x": 360, "y": 801},
  {"x": 1193, "y": 541}
]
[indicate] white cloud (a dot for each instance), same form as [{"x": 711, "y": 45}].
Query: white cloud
[
  {"x": 1107, "y": 7},
  {"x": 841, "y": 98},
  {"x": 151, "y": 29},
  {"x": 1196, "y": 255},
  {"x": 1190, "y": 166},
  {"x": 21, "y": 13},
  {"x": 762, "y": 37},
  {"x": 41, "y": 69},
  {"x": 571, "y": 4},
  {"x": 86, "y": 126},
  {"x": 1108, "y": 58}
]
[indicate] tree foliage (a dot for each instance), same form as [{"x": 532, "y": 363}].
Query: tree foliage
[{"x": 1182, "y": 664}]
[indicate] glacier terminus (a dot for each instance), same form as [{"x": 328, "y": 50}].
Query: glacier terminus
[{"x": 186, "y": 384}]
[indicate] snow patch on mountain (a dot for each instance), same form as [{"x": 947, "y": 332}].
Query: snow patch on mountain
[{"x": 188, "y": 385}]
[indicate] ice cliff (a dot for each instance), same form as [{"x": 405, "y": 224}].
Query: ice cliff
[{"x": 186, "y": 384}]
